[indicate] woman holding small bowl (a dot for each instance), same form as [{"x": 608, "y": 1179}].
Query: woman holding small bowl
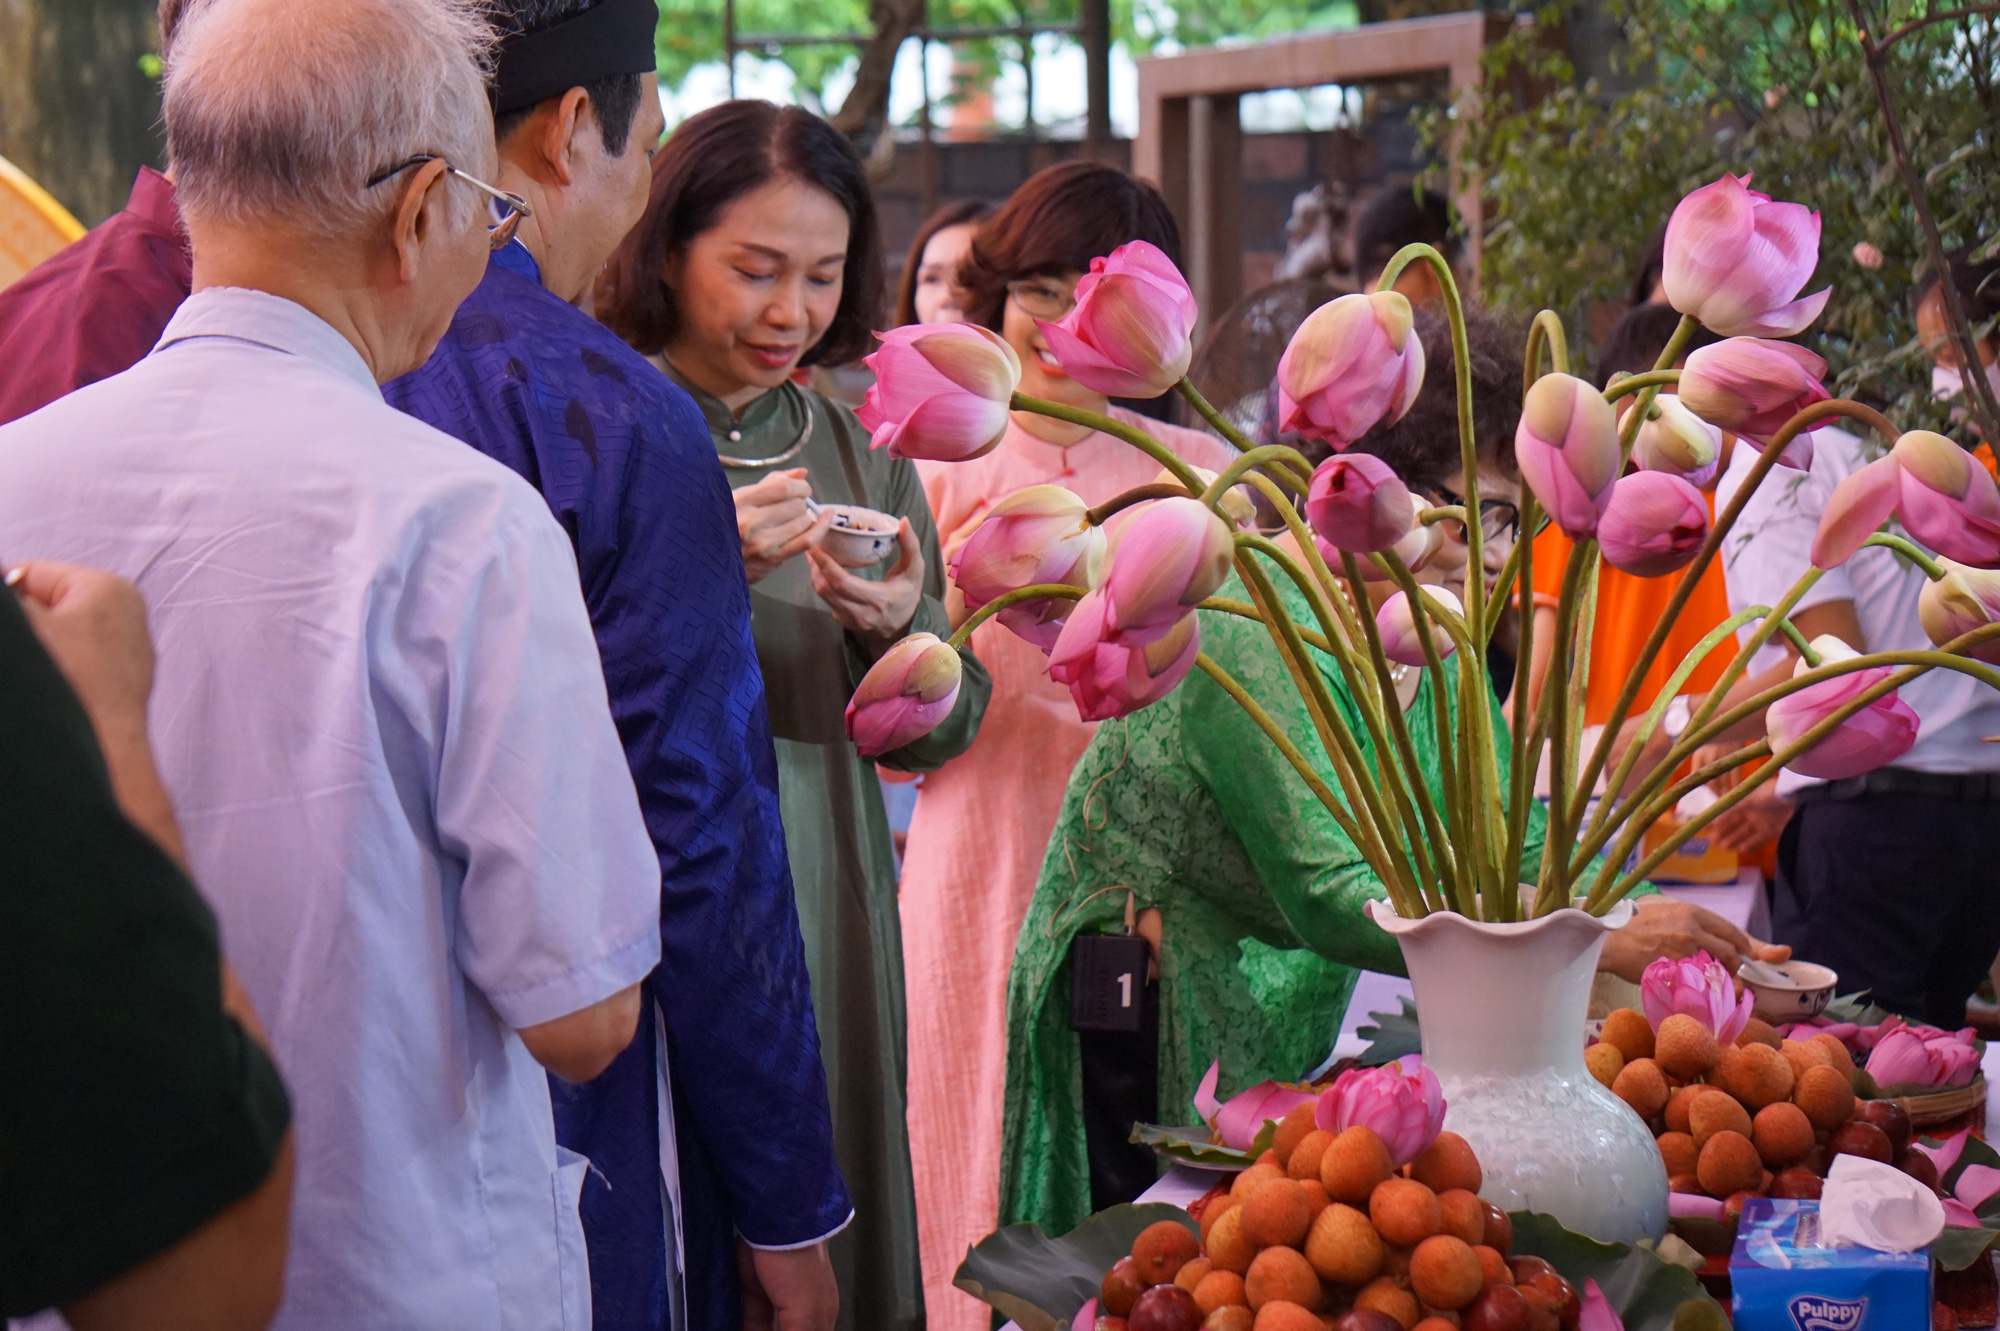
[{"x": 758, "y": 255}]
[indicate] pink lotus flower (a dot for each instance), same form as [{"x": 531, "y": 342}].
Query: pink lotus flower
[
  {"x": 1751, "y": 386},
  {"x": 1400, "y": 640},
  {"x": 1654, "y": 524},
  {"x": 1946, "y": 499},
  {"x": 1857, "y": 508},
  {"x": 1042, "y": 534},
  {"x": 1962, "y": 600},
  {"x": 941, "y": 392},
  {"x": 1108, "y": 678},
  {"x": 1567, "y": 448},
  {"x": 1677, "y": 442},
  {"x": 1086, "y": 1316},
  {"x": 1975, "y": 1185},
  {"x": 1597, "y": 1313},
  {"x": 1164, "y": 560},
  {"x": 1736, "y": 260},
  {"x": 1878, "y": 734},
  {"x": 1697, "y": 987},
  {"x": 1358, "y": 503},
  {"x": 1354, "y": 363},
  {"x": 1905, "y": 1058},
  {"x": 1238, "y": 1120},
  {"x": 1130, "y": 334},
  {"x": 905, "y": 695},
  {"x": 1401, "y": 1101},
  {"x": 1415, "y": 548}
]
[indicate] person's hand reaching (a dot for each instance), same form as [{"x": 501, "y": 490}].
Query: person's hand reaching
[
  {"x": 772, "y": 522},
  {"x": 879, "y": 611},
  {"x": 1663, "y": 927},
  {"x": 787, "y": 1290}
]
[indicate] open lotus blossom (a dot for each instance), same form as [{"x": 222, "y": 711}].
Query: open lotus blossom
[
  {"x": 1736, "y": 260},
  {"x": 1676, "y": 441},
  {"x": 1905, "y": 1058},
  {"x": 1358, "y": 503},
  {"x": 1401, "y": 1101},
  {"x": 1042, "y": 534},
  {"x": 1355, "y": 362},
  {"x": 1568, "y": 451},
  {"x": 1239, "y": 1119},
  {"x": 905, "y": 695},
  {"x": 1946, "y": 499},
  {"x": 1654, "y": 524},
  {"x": 1400, "y": 640},
  {"x": 1130, "y": 333},
  {"x": 1975, "y": 1185},
  {"x": 1108, "y": 678},
  {"x": 1873, "y": 737},
  {"x": 1164, "y": 559},
  {"x": 940, "y": 393},
  {"x": 1697, "y": 987},
  {"x": 1751, "y": 386},
  {"x": 1962, "y": 600}
]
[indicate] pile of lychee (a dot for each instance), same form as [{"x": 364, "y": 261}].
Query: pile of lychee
[
  {"x": 1325, "y": 1233},
  {"x": 1763, "y": 1116}
]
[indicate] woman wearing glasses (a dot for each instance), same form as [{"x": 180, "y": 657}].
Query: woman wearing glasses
[
  {"x": 757, "y": 254},
  {"x": 982, "y": 821},
  {"x": 1185, "y": 810}
]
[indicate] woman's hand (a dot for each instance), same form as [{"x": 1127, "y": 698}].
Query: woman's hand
[
  {"x": 1663, "y": 927},
  {"x": 772, "y": 522},
  {"x": 879, "y": 611}
]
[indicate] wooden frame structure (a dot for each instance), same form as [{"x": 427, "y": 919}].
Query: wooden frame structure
[{"x": 1190, "y": 133}]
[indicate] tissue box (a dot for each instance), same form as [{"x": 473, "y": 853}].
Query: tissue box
[{"x": 1782, "y": 1279}]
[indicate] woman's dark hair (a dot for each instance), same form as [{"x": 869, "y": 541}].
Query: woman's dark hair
[
  {"x": 1058, "y": 221},
  {"x": 1635, "y": 342},
  {"x": 958, "y": 213},
  {"x": 1399, "y": 215},
  {"x": 1977, "y": 284},
  {"x": 1423, "y": 446},
  {"x": 714, "y": 159}
]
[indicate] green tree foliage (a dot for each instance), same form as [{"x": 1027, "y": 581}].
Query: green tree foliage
[{"x": 1577, "y": 180}]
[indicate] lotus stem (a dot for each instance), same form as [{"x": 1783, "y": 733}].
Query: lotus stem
[
  {"x": 1890, "y": 541},
  {"x": 1555, "y": 688},
  {"x": 1139, "y": 439},
  {"x": 1040, "y": 591},
  {"x": 1192, "y": 396},
  {"x": 1545, "y": 333},
  {"x": 1632, "y": 383},
  {"x": 1139, "y": 494},
  {"x": 1246, "y": 462}
]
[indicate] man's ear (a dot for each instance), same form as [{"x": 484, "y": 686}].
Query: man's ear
[
  {"x": 570, "y": 118},
  {"x": 420, "y": 215}
]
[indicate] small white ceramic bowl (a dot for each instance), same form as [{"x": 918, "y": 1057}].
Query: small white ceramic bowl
[
  {"x": 1809, "y": 989},
  {"x": 857, "y": 537}
]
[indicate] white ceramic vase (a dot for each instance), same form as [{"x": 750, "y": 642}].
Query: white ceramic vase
[{"x": 1502, "y": 1008}]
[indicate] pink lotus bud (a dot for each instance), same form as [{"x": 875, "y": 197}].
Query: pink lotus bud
[
  {"x": 1856, "y": 510},
  {"x": 905, "y": 695},
  {"x": 1415, "y": 548},
  {"x": 1358, "y": 503},
  {"x": 1676, "y": 442},
  {"x": 1878, "y": 734},
  {"x": 1042, "y": 534},
  {"x": 1567, "y": 448},
  {"x": 1954, "y": 1061},
  {"x": 1962, "y": 600},
  {"x": 1165, "y": 559},
  {"x": 1399, "y": 630},
  {"x": 1697, "y": 987},
  {"x": 1946, "y": 499},
  {"x": 1901, "y": 1059},
  {"x": 1401, "y": 1101},
  {"x": 1751, "y": 386},
  {"x": 1867, "y": 256},
  {"x": 1107, "y": 678},
  {"x": 1736, "y": 260},
  {"x": 941, "y": 391},
  {"x": 1354, "y": 363},
  {"x": 1130, "y": 334},
  {"x": 1654, "y": 524},
  {"x": 1244, "y": 1115}
]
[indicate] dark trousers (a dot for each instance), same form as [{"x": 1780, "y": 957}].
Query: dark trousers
[
  {"x": 1121, "y": 1086},
  {"x": 1899, "y": 893}
]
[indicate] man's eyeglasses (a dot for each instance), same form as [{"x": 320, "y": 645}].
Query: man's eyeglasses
[
  {"x": 507, "y": 209},
  {"x": 1497, "y": 517},
  {"x": 1043, "y": 297}
]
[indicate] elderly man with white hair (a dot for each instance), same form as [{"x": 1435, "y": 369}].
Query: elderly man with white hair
[{"x": 379, "y": 709}]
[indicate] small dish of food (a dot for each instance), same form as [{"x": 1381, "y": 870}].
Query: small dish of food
[
  {"x": 1799, "y": 990},
  {"x": 856, "y": 537}
]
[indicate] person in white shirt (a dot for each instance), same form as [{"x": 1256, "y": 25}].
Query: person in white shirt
[{"x": 379, "y": 708}]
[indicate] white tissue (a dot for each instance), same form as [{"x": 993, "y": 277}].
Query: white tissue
[{"x": 1873, "y": 1205}]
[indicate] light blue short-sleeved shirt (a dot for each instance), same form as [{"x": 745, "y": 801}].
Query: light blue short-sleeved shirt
[{"x": 380, "y": 712}]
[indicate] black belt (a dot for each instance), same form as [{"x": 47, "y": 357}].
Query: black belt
[{"x": 1962, "y": 787}]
